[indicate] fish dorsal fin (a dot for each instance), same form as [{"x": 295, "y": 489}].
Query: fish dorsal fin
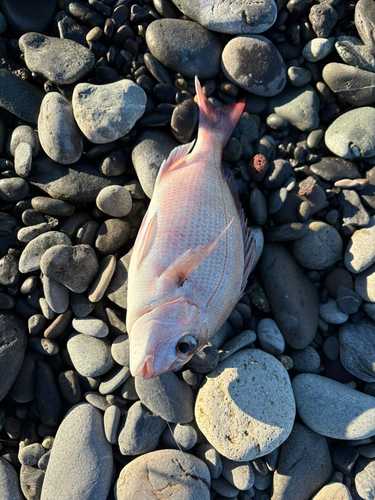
[
  {"x": 173, "y": 160},
  {"x": 144, "y": 235},
  {"x": 187, "y": 263}
]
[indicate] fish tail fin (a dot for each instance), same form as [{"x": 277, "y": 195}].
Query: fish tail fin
[{"x": 218, "y": 121}]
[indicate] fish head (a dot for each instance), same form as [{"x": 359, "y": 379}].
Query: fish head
[{"x": 165, "y": 338}]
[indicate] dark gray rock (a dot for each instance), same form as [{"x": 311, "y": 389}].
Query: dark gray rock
[
  {"x": 278, "y": 172},
  {"x": 169, "y": 42},
  {"x": 13, "y": 338},
  {"x": 211, "y": 458},
  {"x": 13, "y": 189},
  {"x": 285, "y": 232},
  {"x": 305, "y": 360},
  {"x": 291, "y": 295},
  {"x": 80, "y": 184},
  {"x": 141, "y": 431},
  {"x": 353, "y": 52},
  {"x": 112, "y": 235},
  {"x": 254, "y": 63},
  {"x": 31, "y": 454},
  {"x": 9, "y": 274},
  {"x": 205, "y": 360},
  {"x": 23, "y": 389},
  {"x": 353, "y": 85},
  {"x": 179, "y": 437},
  {"x": 323, "y": 18},
  {"x": 9, "y": 482},
  {"x": 304, "y": 465},
  {"x": 24, "y": 16},
  {"x": 117, "y": 290},
  {"x": 184, "y": 120},
  {"x": 334, "y": 169},
  {"x": 47, "y": 394}
]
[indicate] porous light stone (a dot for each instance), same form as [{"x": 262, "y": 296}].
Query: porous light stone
[
  {"x": 104, "y": 113},
  {"x": 81, "y": 461},
  {"x": 171, "y": 474},
  {"x": 333, "y": 409},
  {"x": 58, "y": 132},
  {"x": 245, "y": 408},
  {"x": 254, "y": 63},
  {"x": 360, "y": 251},
  {"x": 228, "y": 16}
]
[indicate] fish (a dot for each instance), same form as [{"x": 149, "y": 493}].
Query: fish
[{"x": 193, "y": 252}]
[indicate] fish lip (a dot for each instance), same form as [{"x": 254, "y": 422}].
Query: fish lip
[{"x": 146, "y": 368}]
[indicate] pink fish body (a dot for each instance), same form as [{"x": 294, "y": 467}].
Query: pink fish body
[{"x": 192, "y": 255}]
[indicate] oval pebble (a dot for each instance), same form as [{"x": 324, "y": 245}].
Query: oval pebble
[
  {"x": 90, "y": 356},
  {"x": 9, "y": 482},
  {"x": 211, "y": 458},
  {"x": 249, "y": 389},
  {"x": 305, "y": 360},
  {"x": 360, "y": 251},
  {"x": 115, "y": 201},
  {"x": 330, "y": 313},
  {"x": 30, "y": 455},
  {"x": 111, "y": 421},
  {"x": 89, "y": 325},
  {"x": 270, "y": 337},
  {"x": 244, "y": 339}
]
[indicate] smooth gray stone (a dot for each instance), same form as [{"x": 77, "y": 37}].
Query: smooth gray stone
[
  {"x": 80, "y": 184},
  {"x": 353, "y": 85},
  {"x": 244, "y": 339},
  {"x": 58, "y": 132},
  {"x": 305, "y": 360},
  {"x": 47, "y": 394},
  {"x": 30, "y": 454},
  {"x": 13, "y": 341},
  {"x": 120, "y": 350},
  {"x": 80, "y": 445},
  {"x": 169, "y": 41},
  {"x": 31, "y": 482},
  {"x": 238, "y": 474},
  {"x": 240, "y": 64},
  {"x": 104, "y": 113},
  {"x": 353, "y": 52},
  {"x": 20, "y": 97},
  {"x": 304, "y": 465},
  {"x": 167, "y": 396},
  {"x": 211, "y": 458},
  {"x": 111, "y": 421},
  {"x": 152, "y": 148},
  {"x": 179, "y": 437},
  {"x": 23, "y": 388},
  {"x": 364, "y": 17},
  {"x": 365, "y": 284},
  {"x": 9, "y": 482},
  {"x": 90, "y": 325},
  {"x": 293, "y": 299},
  {"x": 173, "y": 471},
  {"x": 90, "y": 356},
  {"x": 299, "y": 106},
  {"x": 365, "y": 478},
  {"x": 298, "y": 77},
  {"x": 115, "y": 201},
  {"x": 352, "y": 134},
  {"x": 360, "y": 251},
  {"x": 113, "y": 379},
  {"x": 56, "y": 295},
  {"x": 334, "y": 169},
  {"x": 228, "y": 16},
  {"x": 357, "y": 349},
  {"x": 278, "y": 172},
  {"x": 289, "y": 231},
  {"x": 333, "y": 409},
  {"x": 13, "y": 189},
  {"x": 330, "y": 312},
  {"x": 140, "y": 431},
  {"x": 270, "y": 337},
  {"x": 318, "y": 48},
  {"x": 117, "y": 290},
  {"x": 353, "y": 211}
]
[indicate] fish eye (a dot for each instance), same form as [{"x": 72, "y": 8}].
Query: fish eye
[{"x": 186, "y": 346}]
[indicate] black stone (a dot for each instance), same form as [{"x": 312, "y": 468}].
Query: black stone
[
  {"x": 24, "y": 16},
  {"x": 343, "y": 456},
  {"x": 335, "y": 169},
  {"x": 47, "y": 394},
  {"x": 85, "y": 15},
  {"x": 184, "y": 120},
  {"x": 347, "y": 300},
  {"x": 157, "y": 70}
]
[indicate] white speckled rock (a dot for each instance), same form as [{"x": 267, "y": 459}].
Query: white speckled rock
[
  {"x": 81, "y": 461},
  {"x": 333, "y": 409},
  {"x": 231, "y": 16},
  {"x": 360, "y": 252},
  {"x": 106, "y": 112},
  {"x": 245, "y": 407}
]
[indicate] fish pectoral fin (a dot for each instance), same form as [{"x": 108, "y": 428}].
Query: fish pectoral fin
[
  {"x": 144, "y": 234},
  {"x": 173, "y": 160},
  {"x": 187, "y": 263}
]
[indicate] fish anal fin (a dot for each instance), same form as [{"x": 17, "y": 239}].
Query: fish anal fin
[
  {"x": 147, "y": 228},
  {"x": 187, "y": 263},
  {"x": 174, "y": 159}
]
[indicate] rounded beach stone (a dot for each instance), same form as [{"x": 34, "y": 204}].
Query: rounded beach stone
[
  {"x": 107, "y": 112},
  {"x": 117, "y": 290},
  {"x": 13, "y": 189},
  {"x": 318, "y": 48},
  {"x": 319, "y": 247},
  {"x": 115, "y": 201},
  {"x": 100, "y": 284},
  {"x": 59, "y": 134},
  {"x": 31, "y": 480},
  {"x": 238, "y": 474},
  {"x": 352, "y": 134},
  {"x": 60, "y": 60},
  {"x": 169, "y": 41},
  {"x": 364, "y": 478},
  {"x": 270, "y": 337},
  {"x": 254, "y": 63},
  {"x": 333, "y": 409},
  {"x": 167, "y": 396},
  {"x": 90, "y": 325},
  {"x": 365, "y": 284},
  {"x": 305, "y": 360},
  {"x": 357, "y": 348},
  {"x": 30, "y": 455},
  {"x": 250, "y": 389},
  {"x": 360, "y": 251},
  {"x": 235, "y": 17},
  {"x": 9, "y": 482},
  {"x": 80, "y": 445},
  {"x": 304, "y": 465},
  {"x": 353, "y": 85},
  {"x": 172, "y": 471},
  {"x": 333, "y": 491},
  {"x": 90, "y": 356}
]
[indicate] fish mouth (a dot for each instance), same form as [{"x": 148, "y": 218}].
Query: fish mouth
[{"x": 146, "y": 369}]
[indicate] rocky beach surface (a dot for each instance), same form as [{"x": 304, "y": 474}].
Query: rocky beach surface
[{"x": 94, "y": 95}]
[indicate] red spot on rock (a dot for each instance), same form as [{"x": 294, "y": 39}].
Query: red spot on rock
[{"x": 258, "y": 167}]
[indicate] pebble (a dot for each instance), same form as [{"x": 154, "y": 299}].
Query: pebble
[
  {"x": 107, "y": 112},
  {"x": 113, "y": 379},
  {"x": 80, "y": 184},
  {"x": 13, "y": 189},
  {"x": 238, "y": 474},
  {"x": 114, "y": 164},
  {"x": 278, "y": 172},
  {"x": 97, "y": 400},
  {"x": 333, "y": 491},
  {"x": 50, "y": 206},
  {"x": 222, "y": 409},
  {"x": 120, "y": 350},
  {"x": 323, "y": 18},
  {"x": 304, "y": 464},
  {"x": 115, "y": 201},
  {"x": 141, "y": 478},
  {"x": 258, "y": 207},
  {"x": 356, "y": 349},
  {"x": 57, "y": 327},
  {"x": 9, "y": 274},
  {"x": 30, "y": 455},
  {"x": 9, "y": 482},
  {"x": 360, "y": 251},
  {"x": 270, "y": 337},
  {"x": 347, "y": 300},
  {"x": 364, "y": 478},
  {"x": 205, "y": 360},
  {"x": 241, "y": 65},
  {"x": 319, "y": 248},
  {"x": 298, "y": 77},
  {"x": 299, "y": 106},
  {"x": 318, "y": 48},
  {"x": 58, "y": 132},
  {"x": 333, "y": 409},
  {"x": 90, "y": 356},
  {"x": 179, "y": 436},
  {"x": 211, "y": 458},
  {"x": 276, "y": 200},
  {"x": 89, "y": 325},
  {"x": 31, "y": 480},
  {"x": 73, "y": 266},
  {"x": 111, "y": 422},
  {"x": 353, "y": 85},
  {"x": 224, "y": 488},
  {"x": 112, "y": 235},
  {"x": 231, "y": 17},
  {"x": 353, "y": 211},
  {"x": 47, "y": 394},
  {"x": 305, "y": 360},
  {"x": 365, "y": 284},
  {"x": 331, "y": 313},
  {"x": 184, "y": 120},
  {"x": 285, "y": 232},
  {"x": 169, "y": 42},
  {"x": 69, "y": 386},
  {"x": 80, "y": 444},
  {"x": 117, "y": 290},
  {"x": 291, "y": 295},
  {"x": 56, "y": 294},
  {"x": 334, "y": 169},
  {"x": 354, "y": 53},
  {"x": 156, "y": 395},
  {"x": 244, "y": 339},
  {"x": 58, "y": 60},
  {"x": 350, "y": 135}
]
